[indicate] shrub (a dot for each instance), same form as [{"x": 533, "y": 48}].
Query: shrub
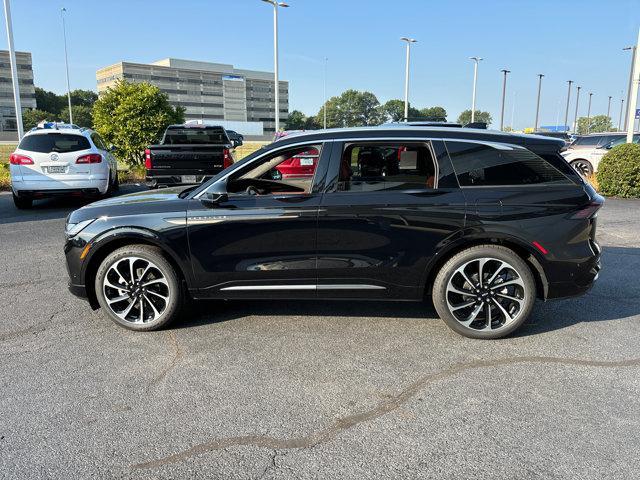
[{"x": 619, "y": 171}]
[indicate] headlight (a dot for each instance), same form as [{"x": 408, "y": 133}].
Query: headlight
[{"x": 72, "y": 229}]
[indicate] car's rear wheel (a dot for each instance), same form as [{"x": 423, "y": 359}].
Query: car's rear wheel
[
  {"x": 486, "y": 291},
  {"x": 583, "y": 167},
  {"x": 22, "y": 202},
  {"x": 138, "y": 288}
]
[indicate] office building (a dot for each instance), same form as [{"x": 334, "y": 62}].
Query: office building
[{"x": 8, "y": 125}]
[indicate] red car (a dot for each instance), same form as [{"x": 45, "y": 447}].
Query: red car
[{"x": 302, "y": 165}]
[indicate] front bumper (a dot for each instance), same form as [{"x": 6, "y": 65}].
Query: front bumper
[{"x": 78, "y": 290}]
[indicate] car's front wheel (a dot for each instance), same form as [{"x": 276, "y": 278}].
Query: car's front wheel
[
  {"x": 486, "y": 291},
  {"x": 138, "y": 288}
]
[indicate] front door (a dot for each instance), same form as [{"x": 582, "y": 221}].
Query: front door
[
  {"x": 262, "y": 240},
  {"x": 393, "y": 205}
]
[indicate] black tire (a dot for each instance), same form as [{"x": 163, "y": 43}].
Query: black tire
[
  {"x": 489, "y": 296},
  {"x": 116, "y": 183},
  {"x": 22, "y": 203},
  {"x": 583, "y": 167},
  {"x": 168, "y": 311}
]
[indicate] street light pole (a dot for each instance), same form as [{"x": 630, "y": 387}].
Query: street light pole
[
  {"x": 633, "y": 84},
  {"x": 621, "y": 110},
  {"x": 409, "y": 41},
  {"x": 566, "y": 112},
  {"x": 575, "y": 117},
  {"x": 66, "y": 61},
  {"x": 589, "y": 114},
  {"x": 476, "y": 60},
  {"x": 540, "y": 76},
  {"x": 609, "y": 106},
  {"x": 276, "y": 4},
  {"x": 14, "y": 69},
  {"x": 633, "y": 64},
  {"x": 504, "y": 92},
  {"x": 324, "y": 88}
]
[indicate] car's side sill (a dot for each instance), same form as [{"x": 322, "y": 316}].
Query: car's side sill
[{"x": 246, "y": 288}]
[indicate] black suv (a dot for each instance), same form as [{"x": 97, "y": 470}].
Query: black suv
[{"x": 483, "y": 222}]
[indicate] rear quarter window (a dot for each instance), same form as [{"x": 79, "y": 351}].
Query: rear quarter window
[
  {"x": 480, "y": 165},
  {"x": 54, "y": 142}
]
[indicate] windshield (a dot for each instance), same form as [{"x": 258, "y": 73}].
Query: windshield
[
  {"x": 54, "y": 142},
  {"x": 191, "y": 136}
]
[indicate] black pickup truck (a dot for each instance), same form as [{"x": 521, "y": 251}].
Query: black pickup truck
[{"x": 188, "y": 154}]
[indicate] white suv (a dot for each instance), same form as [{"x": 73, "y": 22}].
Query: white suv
[{"x": 60, "y": 159}]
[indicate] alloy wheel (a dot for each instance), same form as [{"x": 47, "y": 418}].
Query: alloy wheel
[
  {"x": 136, "y": 290},
  {"x": 583, "y": 168},
  {"x": 486, "y": 294}
]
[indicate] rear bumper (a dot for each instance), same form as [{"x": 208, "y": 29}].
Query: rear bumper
[
  {"x": 582, "y": 281},
  {"x": 97, "y": 185},
  {"x": 153, "y": 181}
]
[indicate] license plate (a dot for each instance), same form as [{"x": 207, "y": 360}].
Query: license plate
[
  {"x": 56, "y": 169},
  {"x": 306, "y": 162},
  {"x": 188, "y": 179}
]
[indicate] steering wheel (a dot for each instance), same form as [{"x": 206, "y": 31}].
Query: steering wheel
[{"x": 251, "y": 190}]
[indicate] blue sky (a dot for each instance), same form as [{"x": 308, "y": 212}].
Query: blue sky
[{"x": 563, "y": 39}]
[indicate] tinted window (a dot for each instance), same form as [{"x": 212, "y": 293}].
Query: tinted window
[
  {"x": 97, "y": 141},
  {"x": 587, "y": 141},
  {"x": 191, "y": 136},
  {"x": 483, "y": 165},
  {"x": 396, "y": 166},
  {"x": 54, "y": 142}
]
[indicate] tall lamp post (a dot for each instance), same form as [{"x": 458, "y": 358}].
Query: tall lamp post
[
  {"x": 634, "y": 81},
  {"x": 408, "y": 41},
  {"x": 633, "y": 64},
  {"x": 504, "y": 92},
  {"x": 476, "y": 60},
  {"x": 276, "y": 4},
  {"x": 621, "y": 110},
  {"x": 566, "y": 112},
  {"x": 324, "y": 93},
  {"x": 66, "y": 61},
  {"x": 540, "y": 77},
  {"x": 589, "y": 114},
  {"x": 575, "y": 116},
  {"x": 14, "y": 69},
  {"x": 609, "y": 106}
]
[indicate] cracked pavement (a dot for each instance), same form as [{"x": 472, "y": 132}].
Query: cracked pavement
[{"x": 313, "y": 389}]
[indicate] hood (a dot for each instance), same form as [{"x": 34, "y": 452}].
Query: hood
[{"x": 148, "y": 201}]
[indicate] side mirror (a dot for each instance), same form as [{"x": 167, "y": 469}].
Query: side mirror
[
  {"x": 234, "y": 143},
  {"x": 112, "y": 148},
  {"x": 216, "y": 196}
]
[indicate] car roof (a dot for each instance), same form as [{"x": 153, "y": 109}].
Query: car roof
[
  {"x": 537, "y": 142},
  {"x": 46, "y": 131}
]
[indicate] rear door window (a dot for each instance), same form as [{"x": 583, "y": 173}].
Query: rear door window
[
  {"x": 195, "y": 136},
  {"x": 54, "y": 142},
  {"x": 481, "y": 165}
]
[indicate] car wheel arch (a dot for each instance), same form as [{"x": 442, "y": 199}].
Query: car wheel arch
[
  {"x": 524, "y": 251},
  {"x": 115, "y": 240}
]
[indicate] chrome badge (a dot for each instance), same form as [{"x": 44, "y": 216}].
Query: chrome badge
[{"x": 54, "y": 157}]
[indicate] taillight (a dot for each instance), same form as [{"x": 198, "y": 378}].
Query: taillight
[
  {"x": 90, "y": 158},
  {"x": 400, "y": 150},
  {"x": 17, "y": 159},
  {"x": 147, "y": 159},
  {"x": 589, "y": 210},
  {"x": 227, "y": 160}
]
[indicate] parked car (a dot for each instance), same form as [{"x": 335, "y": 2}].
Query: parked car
[
  {"x": 585, "y": 157},
  {"x": 58, "y": 159},
  {"x": 595, "y": 140},
  {"x": 483, "y": 222},
  {"x": 237, "y": 139},
  {"x": 301, "y": 165},
  {"x": 188, "y": 154}
]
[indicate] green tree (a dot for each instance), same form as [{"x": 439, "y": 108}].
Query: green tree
[
  {"x": 465, "y": 117},
  {"x": 81, "y": 115},
  {"x": 31, "y": 118},
  {"x": 296, "y": 120},
  {"x": 83, "y": 97},
  {"x": 599, "y": 123},
  {"x": 393, "y": 111},
  {"x": 352, "y": 109},
  {"x": 50, "y": 102},
  {"x": 435, "y": 113},
  {"x": 133, "y": 115},
  {"x": 312, "y": 123}
]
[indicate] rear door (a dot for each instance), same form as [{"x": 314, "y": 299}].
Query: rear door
[
  {"x": 391, "y": 205},
  {"x": 54, "y": 156}
]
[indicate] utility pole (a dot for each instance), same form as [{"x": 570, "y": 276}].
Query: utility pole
[
  {"x": 504, "y": 92},
  {"x": 66, "y": 62},
  {"x": 633, "y": 64},
  {"x": 14, "y": 69},
  {"x": 566, "y": 112},
  {"x": 324, "y": 109},
  {"x": 540, "y": 76},
  {"x": 409, "y": 41},
  {"x": 575, "y": 117},
  {"x": 475, "y": 81},
  {"x": 620, "y": 117},
  {"x": 276, "y": 4},
  {"x": 609, "y": 107},
  {"x": 589, "y": 114}
]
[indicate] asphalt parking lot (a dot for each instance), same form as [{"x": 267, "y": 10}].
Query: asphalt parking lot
[{"x": 317, "y": 389}]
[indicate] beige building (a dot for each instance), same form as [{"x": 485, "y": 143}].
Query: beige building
[
  {"x": 27, "y": 91},
  {"x": 209, "y": 91}
]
